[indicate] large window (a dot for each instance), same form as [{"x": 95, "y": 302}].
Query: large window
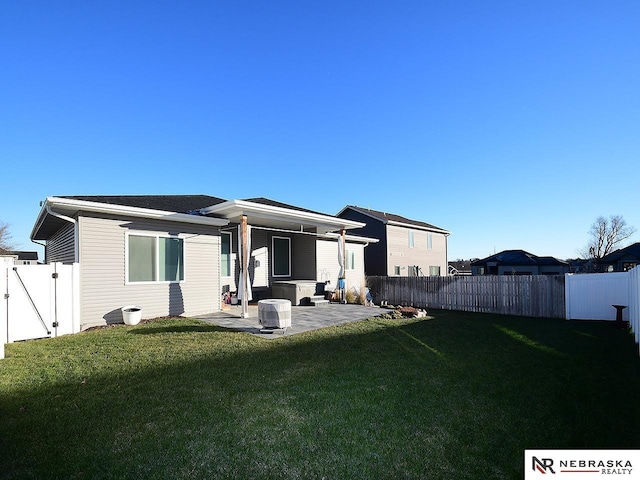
[
  {"x": 281, "y": 248},
  {"x": 225, "y": 254},
  {"x": 434, "y": 271},
  {"x": 155, "y": 259},
  {"x": 411, "y": 239}
]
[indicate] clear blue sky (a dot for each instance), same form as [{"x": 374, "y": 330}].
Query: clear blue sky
[{"x": 511, "y": 124}]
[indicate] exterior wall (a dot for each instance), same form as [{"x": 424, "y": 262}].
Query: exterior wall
[
  {"x": 375, "y": 255},
  {"x": 303, "y": 261},
  {"x": 399, "y": 252},
  {"x": 328, "y": 267},
  {"x": 303, "y": 257},
  {"x": 61, "y": 246},
  {"x": 104, "y": 290}
]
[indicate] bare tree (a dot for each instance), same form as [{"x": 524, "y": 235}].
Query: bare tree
[
  {"x": 606, "y": 235},
  {"x": 6, "y": 245}
]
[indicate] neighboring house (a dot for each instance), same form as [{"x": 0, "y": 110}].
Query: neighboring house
[
  {"x": 405, "y": 247},
  {"x": 176, "y": 254},
  {"x": 519, "y": 262},
  {"x": 621, "y": 260},
  {"x": 20, "y": 258},
  {"x": 461, "y": 267}
]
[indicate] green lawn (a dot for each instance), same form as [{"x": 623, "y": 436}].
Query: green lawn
[{"x": 456, "y": 395}]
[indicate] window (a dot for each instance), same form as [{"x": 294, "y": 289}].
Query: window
[
  {"x": 429, "y": 241},
  {"x": 411, "y": 239},
  {"x": 434, "y": 271},
  {"x": 351, "y": 260},
  {"x": 225, "y": 254},
  {"x": 281, "y": 256},
  {"x": 155, "y": 259},
  {"x": 396, "y": 270}
]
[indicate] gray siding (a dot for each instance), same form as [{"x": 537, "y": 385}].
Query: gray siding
[
  {"x": 103, "y": 277},
  {"x": 303, "y": 257},
  {"x": 61, "y": 246}
]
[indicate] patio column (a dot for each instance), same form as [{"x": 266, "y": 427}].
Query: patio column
[{"x": 244, "y": 266}]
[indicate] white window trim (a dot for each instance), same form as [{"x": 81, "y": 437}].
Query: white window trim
[
  {"x": 156, "y": 236},
  {"x": 273, "y": 259},
  {"x": 350, "y": 255},
  {"x": 231, "y": 263}
]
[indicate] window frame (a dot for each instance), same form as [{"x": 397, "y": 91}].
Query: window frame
[
  {"x": 273, "y": 257},
  {"x": 429, "y": 241},
  {"x": 412, "y": 239},
  {"x": 231, "y": 264},
  {"x": 350, "y": 260},
  {"x": 157, "y": 237}
]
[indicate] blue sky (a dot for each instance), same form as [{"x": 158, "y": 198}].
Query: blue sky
[{"x": 511, "y": 124}]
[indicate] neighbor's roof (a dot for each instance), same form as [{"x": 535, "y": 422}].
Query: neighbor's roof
[
  {"x": 21, "y": 255},
  {"x": 392, "y": 218},
  {"x": 632, "y": 250},
  {"x": 519, "y": 257}
]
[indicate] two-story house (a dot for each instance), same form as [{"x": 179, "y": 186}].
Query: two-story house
[{"x": 405, "y": 248}]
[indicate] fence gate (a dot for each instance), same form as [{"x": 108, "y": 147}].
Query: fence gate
[{"x": 39, "y": 301}]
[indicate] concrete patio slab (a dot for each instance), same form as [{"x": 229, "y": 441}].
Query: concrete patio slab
[{"x": 303, "y": 319}]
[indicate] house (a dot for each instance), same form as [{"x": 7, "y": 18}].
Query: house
[
  {"x": 518, "y": 262},
  {"x": 405, "y": 248},
  {"x": 178, "y": 254},
  {"x": 20, "y": 258},
  {"x": 621, "y": 260},
  {"x": 461, "y": 267}
]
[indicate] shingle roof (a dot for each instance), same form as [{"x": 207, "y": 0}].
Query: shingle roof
[
  {"x": 391, "y": 217},
  {"x": 25, "y": 255},
  {"x": 274, "y": 203},
  {"x": 168, "y": 203},
  {"x": 519, "y": 257},
  {"x": 631, "y": 250}
]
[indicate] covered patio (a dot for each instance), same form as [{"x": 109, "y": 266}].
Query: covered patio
[{"x": 303, "y": 319}]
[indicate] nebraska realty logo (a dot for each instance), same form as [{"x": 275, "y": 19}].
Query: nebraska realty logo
[{"x": 581, "y": 464}]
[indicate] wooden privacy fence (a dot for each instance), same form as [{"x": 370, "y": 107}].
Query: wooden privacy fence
[{"x": 526, "y": 295}]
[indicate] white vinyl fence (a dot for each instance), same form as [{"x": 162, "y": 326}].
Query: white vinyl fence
[
  {"x": 38, "y": 301},
  {"x": 592, "y": 296}
]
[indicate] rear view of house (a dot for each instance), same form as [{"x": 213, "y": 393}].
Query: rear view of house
[{"x": 178, "y": 254}]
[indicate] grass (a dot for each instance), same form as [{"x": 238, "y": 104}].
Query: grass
[{"x": 454, "y": 395}]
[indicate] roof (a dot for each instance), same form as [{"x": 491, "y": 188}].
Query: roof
[
  {"x": 168, "y": 203},
  {"x": 59, "y": 211},
  {"x": 269, "y": 213},
  {"x": 197, "y": 209},
  {"x": 274, "y": 203},
  {"x": 632, "y": 250},
  {"x": 392, "y": 218},
  {"x": 21, "y": 255},
  {"x": 519, "y": 257}
]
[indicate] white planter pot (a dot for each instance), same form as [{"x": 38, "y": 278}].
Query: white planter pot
[{"x": 131, "y": 314}]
